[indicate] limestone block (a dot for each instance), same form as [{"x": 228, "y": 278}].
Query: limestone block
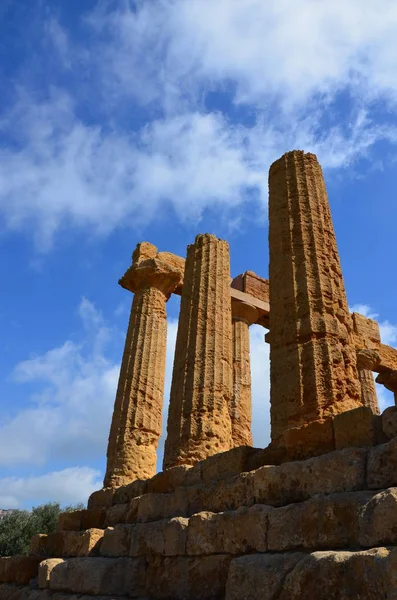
[
  {"x": 166, "y": 537},
  {"x": 45, "y": 569},
  {"x": 18, "y": 569},
  {"x": 94, "y": 518},
  {"x": 116, "y": 514},
  {"x": 355, "y": 428},
  {"x": 187, "y": 578},
  {"x": 70, "y": 521},
  {"x": 38, "y": 545},
  {"x": 261, "y": 576},
  {"x": 389, "y": 422},
  {"x": 56, "y": 543},
  {"x": 272, "y": 455},
  {"x": 321, "y": 522},
  {"x": 132, "y": 513},
  {"x": 229, "y": 494},
  {"x": 226, "y": 464},
  {"x": 126, "y": 493},
  {"x": 382, "y": 466},
  {"x": 312, "y": 439},
  {"x": 339, "y": 471},
  {"x": 168, "y": 480},
  {"x": 116, "y": 541},
  {"x": 11, "y": 591},
  {"x": 153, "y": 507},
  {"x": 363, "y": 575},
  {"x": 378, "y": 520},
  {"x": 100, "y": 576},
  {"x": 101, "y": 498},
  {"x": 231, "y": 532}
]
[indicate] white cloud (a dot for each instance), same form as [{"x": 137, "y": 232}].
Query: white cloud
[
  {"x": 68, "y": 417},
  {"x": 69, "y": 486}
]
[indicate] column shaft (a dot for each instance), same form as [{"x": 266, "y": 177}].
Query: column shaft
[
  {"x": 368, "y": 390},
  {"x": 198, "y": 419},
  {"x": 313, "y": 363},
  {"x": 136, "y": 423},
  {"x": 241, "y": 404}
]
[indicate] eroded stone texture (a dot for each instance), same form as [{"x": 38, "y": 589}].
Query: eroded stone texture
[
  {"x": 365, "y": 364},
  {"x": 313, "y": 361},
  {"x": 136, "y": 423},
  {"x": 243, "y": 315},
  {"x": 198, "y": 421}
]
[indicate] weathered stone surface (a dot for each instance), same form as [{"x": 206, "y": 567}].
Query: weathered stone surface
[
  {"x": 366, "y": 360},
  {"x": 45, "y": 568},
  {"x": 136, "y": 423},
  {"x": 100, "y": 576},
  {"x": 312, "y": 439},
  {"x": 378, "y": 520},
  {"x": 364, "y": 575},
  {"x": 312, "y": 355},
  {"x": 243, "y": 315},
  {"x": 154, "y": 507},
  {"x": 321, "y": 522},
  {"x": 101, "y": 498},
  {"x": 382, "y": 466},
  {"x": 126, "y": 493},
  {"x": 38, "y": 545},
  {"x": 18, "y": 569},
  {"x": 231, "y": 532},
  {"x": 166, "y": 537},
  {"x": 389, "y": 422},
  {"x": 355, "y": 428},
  {"x": 198, "y": 420},
  {"x": 388, "y": 378},
  {"x": 183, "y": 578},
  {"x": 116, "y": 514},
  {"x": 73, "y": 543},
  {"x": 169, "y": 480},
  {"x": 340, "y": 471},
  {"x": 229, "y": 494},
  {"x": 70, "y": 521},
  {"x": 261, "y": 576},
  {"x": 116, "y": 541},
  {"x": 226, "y": 464},
  {"x": 93, "y": 519}
]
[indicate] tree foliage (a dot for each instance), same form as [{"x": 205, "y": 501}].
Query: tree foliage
[{"x": 17, "y": 527}]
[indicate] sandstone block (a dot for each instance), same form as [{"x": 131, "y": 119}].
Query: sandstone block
[
  {"x": 100, "y": 576},
  {"x": 70, "y": 521},
  {"x": 261, "y": 576},
  {"x": 365, "y": 575},
  {"x": 45, "y": 569},
  {"x": 93, "y": 519},
  {"x": 382, "y": 466},
  {"x": 116, "y": 514},
  {"x": 340, "y": 471},
  {"x": 355, "y": 428},
  {"x": 321, "y": 522},
  {"x": 230, "y": 494},
  {"x": 126, "y": 493},
  {"x": 389, "y": 422},
  {"x": 166, "y": 537},
  {"x": 184, "y": 578},
  {"x": 312, "y": 439},
  {"x": 38, "y": 545},
  {"x": 154, "y": 507},
  {"x": 231, "y": 532},
  {"x": 378, "y": 520},
  {"x": 168, "y": 480},
  {"x": 226, "y": 464},
  {"x": 116, "y": 541},
  {"x": 101, "y": 498},
  {"x": 18, "y": 569}
]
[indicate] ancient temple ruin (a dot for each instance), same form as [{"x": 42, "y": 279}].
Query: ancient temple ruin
[{"x": 313, "y": 515}]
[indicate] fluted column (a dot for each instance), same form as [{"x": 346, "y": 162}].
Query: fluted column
[
  {"x": 136, "y": 422},
  {"x": 198, "y": 420},
  {"x": 365, "y": 364},
  {"x": 313, "y": 361},
  {"x": 243, "y": 315}
]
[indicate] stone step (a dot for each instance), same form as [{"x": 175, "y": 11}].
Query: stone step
[
  {"x": 10, "y": 591},
  {"x": 18, "y": 569},
  {"x": 67, "y": 544}
]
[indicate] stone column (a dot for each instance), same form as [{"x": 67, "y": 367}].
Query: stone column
[
  {"x": 243, "y": 315},
  {"x": 388, "y": 378},
  {"x": 136, "y": 423},
  {"x": 365, "y": 364},
  {"x": 198, "y": 420},
  {"x": 313, "y": 361}
]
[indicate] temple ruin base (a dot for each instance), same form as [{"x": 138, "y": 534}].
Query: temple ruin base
[{"x": 233, "y": 526}]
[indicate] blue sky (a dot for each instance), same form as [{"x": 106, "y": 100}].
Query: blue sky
[{"x": 156, "y": 120}]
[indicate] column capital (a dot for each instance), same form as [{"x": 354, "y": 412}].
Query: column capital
[
  {"x": 242, "y": 311},
  {"x": 367, "y": 359},
  {"x": 152, "y": 272},
  {"x": 388, "y": 379}
]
